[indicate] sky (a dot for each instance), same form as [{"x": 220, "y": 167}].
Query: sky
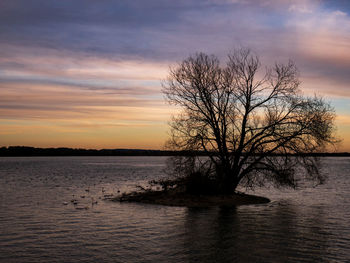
[{"x": 88, "y": 74}]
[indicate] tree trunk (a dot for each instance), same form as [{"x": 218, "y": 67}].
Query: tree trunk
[{"x": 228, "y": 182}]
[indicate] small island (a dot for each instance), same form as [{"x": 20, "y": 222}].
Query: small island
[
  {"x": 190, "y": 191},
  {"x": 177, "y": 198}
]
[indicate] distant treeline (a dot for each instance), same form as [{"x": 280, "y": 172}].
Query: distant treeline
[{"x": 62, "y": 151}]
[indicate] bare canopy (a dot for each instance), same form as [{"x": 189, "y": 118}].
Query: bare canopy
[{"x": 254, "y": 125}]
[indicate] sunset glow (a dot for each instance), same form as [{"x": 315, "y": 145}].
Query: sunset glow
[{"x": 91, "y": 77}]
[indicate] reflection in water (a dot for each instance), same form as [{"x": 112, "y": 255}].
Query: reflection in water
[
  {"x": 265, "y": 233},
  {"x": 309, "y": 225},
  {"x": 211, "y": 235}
]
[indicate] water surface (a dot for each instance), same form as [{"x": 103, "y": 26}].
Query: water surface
[{"x": 308, "y": 225}]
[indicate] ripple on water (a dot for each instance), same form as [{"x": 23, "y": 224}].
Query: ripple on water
[{"x": 308, "y": 225}]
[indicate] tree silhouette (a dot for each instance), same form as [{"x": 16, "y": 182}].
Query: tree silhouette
[{"x": 255, "y": 127}]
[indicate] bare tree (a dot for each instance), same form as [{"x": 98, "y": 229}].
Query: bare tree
[{"x": 254, "y": 126}]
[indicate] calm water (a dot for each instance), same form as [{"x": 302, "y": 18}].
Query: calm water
[{"x": 308, "y": 225}]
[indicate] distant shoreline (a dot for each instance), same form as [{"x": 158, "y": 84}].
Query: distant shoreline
[{"x": 27, "y": 151}]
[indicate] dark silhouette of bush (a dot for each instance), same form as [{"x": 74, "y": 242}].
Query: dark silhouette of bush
[{"x": 198, "y": 183}]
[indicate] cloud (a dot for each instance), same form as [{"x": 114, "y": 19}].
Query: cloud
[
  {"x": 322, "y": 48},
  {"x": 37, "y": 101},
  {"x": 105, "y": 61},
  {"x": 127, "y": 43}
]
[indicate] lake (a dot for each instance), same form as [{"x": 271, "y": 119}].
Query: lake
[{"x": 39, "y": 223}]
